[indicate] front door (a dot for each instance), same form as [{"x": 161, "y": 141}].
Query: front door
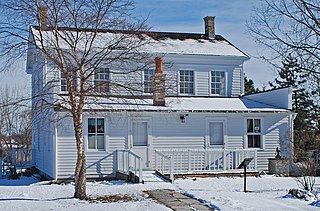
[
  {"x": 215, "y": 139},
  {"x": 140, "y": 141}
]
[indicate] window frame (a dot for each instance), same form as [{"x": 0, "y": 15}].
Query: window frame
[
  {"x": 75, "y": 83},
  {"x": 148, "y": 82},
  {"x": 64, "y": 84},
  {"x": 193, "y": 82},
  {"x": 87, "y": 133},
  {"x": 105, "y": 80},
  {"x": 225, "y": 83},
  {"x": 253, "y": 133}
]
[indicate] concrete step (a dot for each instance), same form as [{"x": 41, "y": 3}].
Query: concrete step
[{"x": 151, "y": 177}]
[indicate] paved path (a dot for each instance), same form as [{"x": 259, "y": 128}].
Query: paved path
[
  {"x": 176, "y": 201},
  {"x": 170, "y": 198}
]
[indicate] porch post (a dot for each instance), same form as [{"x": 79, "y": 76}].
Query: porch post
[
  {"x": 140, "y": 170},
  {"x": 255, "y": 159},
  {"x": 224, "y": 160},
  {"x": 171, "y": 170}
]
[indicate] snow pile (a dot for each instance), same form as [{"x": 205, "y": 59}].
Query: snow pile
[
  {"x": 266, "y": 193},
  {"x": 303, "y": 194}
]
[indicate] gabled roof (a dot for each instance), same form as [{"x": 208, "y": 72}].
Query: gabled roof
[{"x": 157, "y": 42}]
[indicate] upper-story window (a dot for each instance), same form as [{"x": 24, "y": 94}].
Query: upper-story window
[
  {"x": 218, "y": 83},
  {"x": 254, "y": 133},
  {"x": 63, "y": 83},
  {"x": 186, "y": 82},
  {"x": 147, "y": 81},
  {"x": 101, "y": 80}
]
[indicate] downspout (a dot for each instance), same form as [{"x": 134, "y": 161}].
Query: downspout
[
  {"x": 55, "y": 152},
  {"x": 291, "y": 123}
]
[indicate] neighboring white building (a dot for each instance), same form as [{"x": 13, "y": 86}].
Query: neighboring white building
[{"x": 204, "y": 109}]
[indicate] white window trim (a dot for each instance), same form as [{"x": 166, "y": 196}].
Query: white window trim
[
  {"x": 110, "y": 79},
  {"x": 207, "y": 134},
  {"x": 60, "y": 83},
  {"x": 226, "y": 82},
  {"x": 85, "y": 134},
  {"x": 142, "y": 79},
  {"x": 262, "y": 133},
  {"x": 194, "y": 82},
  {"x": 130, "y": 131}
]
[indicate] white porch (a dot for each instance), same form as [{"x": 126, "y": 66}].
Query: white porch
[
  {"x": 203, "y": 161},
  {"x": 189, "y": 161}
]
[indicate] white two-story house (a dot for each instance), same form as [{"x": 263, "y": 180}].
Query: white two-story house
[{"x": 192, "y": 109}]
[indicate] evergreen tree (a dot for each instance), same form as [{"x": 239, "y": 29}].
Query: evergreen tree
[
  {"x": 249, "y": 86},
  {"x": 305, "y": 128}
]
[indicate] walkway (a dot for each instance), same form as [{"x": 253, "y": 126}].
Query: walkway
[
  {"x": 170, "y": 198},
  {"x": 176, "y": 201}
]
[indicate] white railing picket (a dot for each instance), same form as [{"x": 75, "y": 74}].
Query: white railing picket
[{"x": 200, "y": 160}]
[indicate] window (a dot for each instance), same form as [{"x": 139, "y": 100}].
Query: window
[
  {"x": 96, "y": 133},
  {"x": 218, "y": 83},
  {"x": 147, "y": 81},
  {"x": 63, "y": 83},
  {"x": 101, "y": 80},
  {"x": 216, "y": 133},
  {"x": 254, "y": 133},
  {"x": 186, "y": 82}
]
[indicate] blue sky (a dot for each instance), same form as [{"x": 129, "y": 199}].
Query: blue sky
[
  {"x": 187, "y": 16},
  {"x": 231, "y": 17}
]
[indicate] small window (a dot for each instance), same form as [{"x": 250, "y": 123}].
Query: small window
[
  {"x": 254, "y": 133},
  {"x": 96, "y": 133},
  {"x": 147, "y": 81},
  {"x": 186, "y": 82},
  {"x": 63, "y": 83},
  {"x": 218, "y": 83},
  {"x": 101, "y": 80}
]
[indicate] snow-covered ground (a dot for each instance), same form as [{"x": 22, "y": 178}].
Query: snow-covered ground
[{"x": 267, "y": 193}]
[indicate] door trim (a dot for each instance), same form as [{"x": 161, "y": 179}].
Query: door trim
[
  {"x": 149, "y": 136},
  {"x": 207, "y": 132}
]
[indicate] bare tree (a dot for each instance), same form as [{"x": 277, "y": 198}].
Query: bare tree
[
  {"x": 289, "y": 27},
  {"x": 15, "y": 122},
  {"x": 76, "y": 38}
]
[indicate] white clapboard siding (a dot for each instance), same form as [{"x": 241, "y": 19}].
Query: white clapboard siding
[
  {"x": 202, "y": 83},
  {"x": 236, "y": 82}
]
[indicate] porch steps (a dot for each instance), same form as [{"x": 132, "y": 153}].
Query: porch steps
[{"x": 150, "y": 176}]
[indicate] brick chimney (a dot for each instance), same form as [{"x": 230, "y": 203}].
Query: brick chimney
[
  {"x": 159, "y": 84},
  {"x": 209, "y": 26},
  {"x": 43, "y": 17}
]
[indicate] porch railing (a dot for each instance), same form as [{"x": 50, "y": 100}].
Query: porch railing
[
  {"x": 164, "y": 164},
  {"x": 128, "y": 161},
  {"x": 203, "y": 160}
]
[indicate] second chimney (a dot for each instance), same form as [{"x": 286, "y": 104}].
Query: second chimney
[
  {"x": 159, "y": 84},
  {"x": 209, "y": 26},
  {"x": 43, "y": 17}
]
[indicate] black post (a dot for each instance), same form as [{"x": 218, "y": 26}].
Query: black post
[{"x": 245, "y": 178}]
